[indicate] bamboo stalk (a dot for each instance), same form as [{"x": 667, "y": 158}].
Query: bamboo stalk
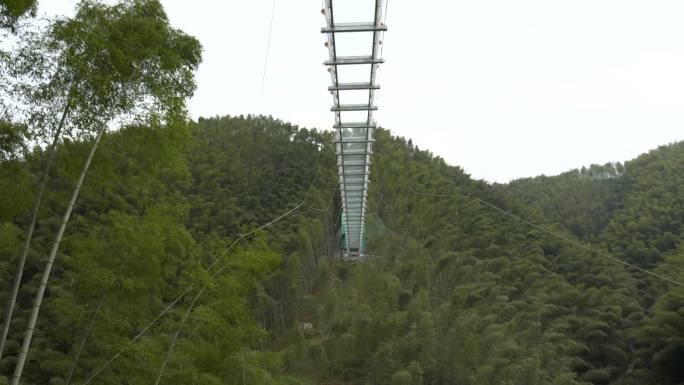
[
  {"x": 23, "y": 352},
  {"x": 11, "y": 302}
]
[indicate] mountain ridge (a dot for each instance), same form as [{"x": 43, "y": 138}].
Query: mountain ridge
[{"x": 457, "y": 293}]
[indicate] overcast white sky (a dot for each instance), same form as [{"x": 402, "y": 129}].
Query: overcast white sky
[{"x": 502, "y": 88}]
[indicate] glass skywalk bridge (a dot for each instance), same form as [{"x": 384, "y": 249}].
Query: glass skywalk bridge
[{"x": 354, "y": 58}]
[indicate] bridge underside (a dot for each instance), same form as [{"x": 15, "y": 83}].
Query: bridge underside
[{"x": 354, "y": 58}]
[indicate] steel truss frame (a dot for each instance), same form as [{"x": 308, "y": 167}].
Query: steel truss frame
[{"x": 354, "y": 139}]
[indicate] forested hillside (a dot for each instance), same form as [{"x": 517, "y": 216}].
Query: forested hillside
[
  {"x": 461, "y": 293},
  {"x": 639, "y": 206},
  {"x": 465, "y": 294},
  {"x": 456, "y": 292},
  {"x": 140, "y": 247},
  {"x": 158, "y": 213}
]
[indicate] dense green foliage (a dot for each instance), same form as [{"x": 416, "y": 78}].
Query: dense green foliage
[
  {"x": 13, "y": 10},
  {"x": 208, "y": 252},
  {"x": 108, "y": 64},
  {"x": 645, "y": 228},
  {"x": 462, "y": 294},
  {"x": 457, "y": 293},
  {"x": 159, "y": 206},
  {"x": 581, "y": 201}
]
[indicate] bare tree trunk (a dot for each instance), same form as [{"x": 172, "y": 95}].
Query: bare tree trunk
[
  {"x": 11, "y": 302},
  {"x": 23, "y": 352}
]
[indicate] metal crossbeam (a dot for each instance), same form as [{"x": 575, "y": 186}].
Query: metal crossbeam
[
  {"x": 353, "y": 107},
  {"x": 355, "y": 152},
  {"x": 353, "y": 27},
  {"x": 353, "y": 87},
  {"x": 351, "y": 163},
  {"x": 353, "y": 125},
  {"x": 352, "y": 60},
  {"x": 354, "y": 139}
]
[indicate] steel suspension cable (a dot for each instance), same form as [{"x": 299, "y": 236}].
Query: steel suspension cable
[{"x": 268, "y": 50}]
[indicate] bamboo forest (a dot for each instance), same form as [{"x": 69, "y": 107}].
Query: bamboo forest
[{"x": 140, "y": 245}]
